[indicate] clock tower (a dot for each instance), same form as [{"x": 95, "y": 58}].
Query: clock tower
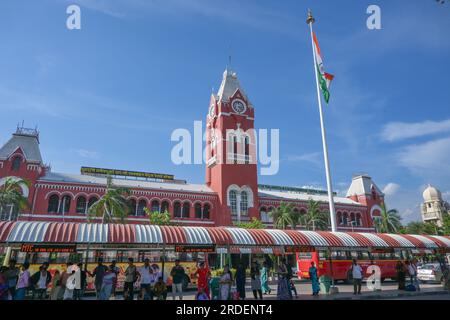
[{"x": 231, "y": 163}]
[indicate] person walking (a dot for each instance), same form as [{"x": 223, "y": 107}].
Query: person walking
[
  {"x": 283, "y": 290},
  {"x": 116, "y": 270},
  {"x": 23, "y": 282},
  {"x": 225, "y": 282},
  {"x": 12, "y": 275},
  {"x": 357, "y": 277},
  {"x": 401, "y": 275},
  {"x": 71, "y": 282},
  {"x": 255, "y": 280},
  {"x": 201, "y": 295},
  {"x": 107, "y": 284},
  {"x": 265, "y": 279},
  {"x": 3, "y": 284},
  {"x": 415, "y": 280},
  {"x": 98, "y": 274},
  {"x": 178, "y": 275},
  {"x": 131, "y": 276},
  {"x": 314, "y": 279},
  {"x": 81, "y": 282},
  {"x": 56, "y": 285},
  {"x": 203, "y": 275},
  {"x": 240, "y": 279},
  {"x": 146, "y": 272},
  {"x": 40, "y": 280}
]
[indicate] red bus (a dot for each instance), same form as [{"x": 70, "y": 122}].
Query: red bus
[{"x": 338, "y": 265}]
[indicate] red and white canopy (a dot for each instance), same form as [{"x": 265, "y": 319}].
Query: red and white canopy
[{"x": 94, "y": 233}]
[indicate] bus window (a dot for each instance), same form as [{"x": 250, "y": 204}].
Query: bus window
[
  {"x": 323, "y": 255},
  {"x": 304, "y": 255}
]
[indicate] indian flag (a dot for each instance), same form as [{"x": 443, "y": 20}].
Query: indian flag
[{"x": 324, "y": 78}]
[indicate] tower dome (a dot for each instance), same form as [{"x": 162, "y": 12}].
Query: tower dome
[{"x": 431, "y": 194}]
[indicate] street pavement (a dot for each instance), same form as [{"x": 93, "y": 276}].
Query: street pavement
[{"x": 388, "y": 291}]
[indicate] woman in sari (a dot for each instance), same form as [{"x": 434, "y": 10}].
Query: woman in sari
[
  {"x": 265, "y": 279},
  {"x": 283, "y": 290},
  {"x": 225, "y": 283},
  {"x": 314, "y": 279}
]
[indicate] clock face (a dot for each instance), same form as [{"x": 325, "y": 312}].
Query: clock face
[
  {"x": 212, "y": 111},
  {"x": 239, "y": 106}
]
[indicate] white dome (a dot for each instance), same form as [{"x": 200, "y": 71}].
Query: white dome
[{"x": 431, "y": 194}]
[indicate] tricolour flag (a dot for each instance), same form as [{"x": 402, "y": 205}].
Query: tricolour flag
[{"x": 324, "y": 78}]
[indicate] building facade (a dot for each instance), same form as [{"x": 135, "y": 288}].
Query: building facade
[
  {"x": 434, "y": 208},
  {"x": 231, "y": 192}
]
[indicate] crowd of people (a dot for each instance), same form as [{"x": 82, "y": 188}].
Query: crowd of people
[{"x": 147, "y": 281}]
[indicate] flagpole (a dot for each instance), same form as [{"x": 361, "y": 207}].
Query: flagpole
[{"x": 310, "y": 21}]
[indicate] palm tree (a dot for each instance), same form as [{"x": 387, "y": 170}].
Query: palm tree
[
  {"x": 314, "y": 219},
  {"x": 12, "y": 197},
  {"x": 389, "y": 221},
  {"x": 283, "y": 215},
  {"x": 112, "y": 205}
]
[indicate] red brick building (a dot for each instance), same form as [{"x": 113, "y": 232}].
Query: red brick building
[{"x": 230, "y": 193}]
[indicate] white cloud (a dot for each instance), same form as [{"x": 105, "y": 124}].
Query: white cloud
[
  {"x": 390, "y": 189},
  {"x": 400, "y": 130},
  {"x": 313, "y": 157},
  {"x": 431, "y": 159},
  {"x": 85, "y": 153}
]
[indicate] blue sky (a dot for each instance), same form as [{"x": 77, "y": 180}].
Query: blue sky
[{"x": 110, "y": 94}]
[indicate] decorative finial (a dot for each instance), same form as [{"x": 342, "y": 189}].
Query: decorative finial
[{"x": 310, "y": 18}]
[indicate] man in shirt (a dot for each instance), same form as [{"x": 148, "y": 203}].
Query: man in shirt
[
  {"x": 357, "y": 277},
  {"x": 131, "y": 276},
  {"x": 178, "y": 276},
  {"x": 98, "y": 273},
  {"x": 12, "y": 275},
  {"x": 146, "y": 272},
  {"x": 116, "y": 271}
]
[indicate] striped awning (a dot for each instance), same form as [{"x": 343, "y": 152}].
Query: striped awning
[{"x": 249, "y": 240}]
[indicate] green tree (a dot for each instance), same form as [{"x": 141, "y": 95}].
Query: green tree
[
  {"x": 314, "y": 219},
  {"x": 112, "y": 205},
  {"x": 446, "y": 225},
  {"x": 253, "y": 224},
  {"x": 389, "y": 221},
  {"x": 283, "y": 215},
  {"x": 417, "y": 227},
  {"x": 12, "y": 201},
  {"x": 158, "y": 218}
]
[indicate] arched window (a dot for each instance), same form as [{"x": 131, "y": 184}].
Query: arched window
[
  {"x": 247, "y": 149},
  {"x": 345, "y": 219},
  {"x": 177, "y": 209},
  {"x": 339, "y": 218},
  {"x": 244, "y": 203},
  {"x": 92, "y": 200},
  {"x": 141, "y": 206},
  {"x": 164, "y": 206},
  {"x": 132, "y": 207},
  {"x": 233, "y": 202},
  {"x": 358, "y": 220},
  {"x": 186, "y": 210},
  {"x": 263, "y": 214},
  {"x": 81, "y": 205},
  {"x": 155, "y": 206},
  {"x": 16, "y": 163},
  {"x": 352, "y": 218},
  {"x": 64, "y": 206},
  {"x": 198, "y": 210},
  {"x": 53, "y": 204},
  {"x": 206, "y": 210}
]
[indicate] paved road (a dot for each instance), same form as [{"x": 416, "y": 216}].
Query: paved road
[{"x": 304, "y": 291}]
